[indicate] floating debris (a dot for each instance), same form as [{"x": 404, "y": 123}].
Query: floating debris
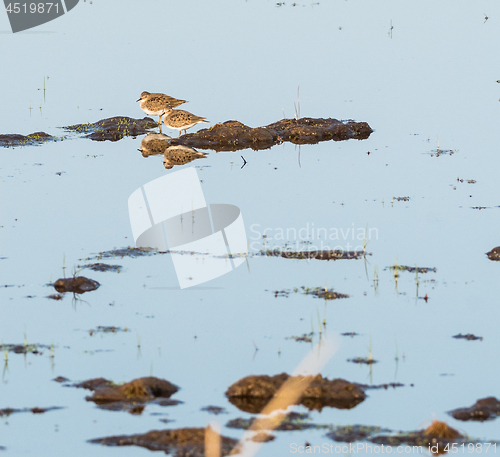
[
  {"x": 351, "y": 334},
  {"x": 23, "y": 348},
  {"x": 412, "y": 269},
  {"x": 281, "y": 422},
  {"x": 107, "y": 329},
  {"x": 55, "y": 296},
  {"x": 182, "y": 442},
  {"x": 365, "y": 360},
  {"x": 125, "y": 252},
  {"x": 214, "y": 410},
  {"x": 77, "y": 285},
  {"x": 318, "y": 255},
  {"x": 8, "y": 411},
  {"x": 468, "y": 337},
  {"x": 484, "y": 409},
  {"x": 352, "y": 433},
  {"x": 439, "y": 152},
  {"x": 251, "y": 394},
  {"x": 306, "y": 338},
  {"x": 102, "y": 267},
  {"x": 318, "y": 292}
]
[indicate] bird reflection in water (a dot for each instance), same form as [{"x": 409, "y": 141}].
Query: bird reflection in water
[{"x": 180, "y": 155}]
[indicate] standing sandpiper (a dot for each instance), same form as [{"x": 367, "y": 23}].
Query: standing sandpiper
[
  {"x": 179, "y": 119},
  {"x": 158, "y": 104}
]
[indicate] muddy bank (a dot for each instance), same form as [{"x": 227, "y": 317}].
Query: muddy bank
[
  {"x": 251, "y": 394},
  {"x": 482, "y": 410},
  {"x": 233, "y": 135},
  {"x": 132, "y": 396},
  {"x": 33, "y": 139},
  {"x": 77, "y": 285},
  {"x": 184, "y": 442},
  {"x": 113, "y": 128}
]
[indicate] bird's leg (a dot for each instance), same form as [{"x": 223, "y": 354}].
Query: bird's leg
[
  {"x": 179, "y": 134},
  {"x": 159, "y": 120},
  {"x": 160, "y": 127}
]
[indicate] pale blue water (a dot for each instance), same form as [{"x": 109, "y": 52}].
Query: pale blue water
[{"x": 433, "y": 84}]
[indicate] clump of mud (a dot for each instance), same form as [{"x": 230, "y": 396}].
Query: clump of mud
[
  {"x": 437, "y": 438},
  {"x": 8, "y": 411},
  {"x": 233, "y": 135},
  {"x": 494, "y": 254},
  {"x": 184, "y": 442},
  {"x": 291, "y": 421},
  {"x": 251, "y": 394},
  {"x": 468, "y": 337},
  {"x": 132, "y": 396},
  {"x": 114, "y": 128},
  {"x": 33, "y": 139},
  {"x": 77, "y": 285},
  {"x": 484, "y": 409}
]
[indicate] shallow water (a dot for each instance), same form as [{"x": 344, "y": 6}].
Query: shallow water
[{"x": 432, "y": 85}]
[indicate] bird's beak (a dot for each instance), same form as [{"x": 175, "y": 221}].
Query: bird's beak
[{"x": 139, "y": 100}]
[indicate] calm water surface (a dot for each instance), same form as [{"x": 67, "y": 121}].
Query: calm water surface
[{"x": 429, "y": 84}]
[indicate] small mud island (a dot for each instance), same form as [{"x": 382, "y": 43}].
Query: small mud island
[{"x": 233, "y": 135}]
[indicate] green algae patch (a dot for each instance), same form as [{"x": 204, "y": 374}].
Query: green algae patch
[
  {"x": 113, "y": 128},
  {"x": 33, "y": 139}
]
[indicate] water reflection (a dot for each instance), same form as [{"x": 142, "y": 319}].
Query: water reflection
[
  {"x": 154, "y": 144},
  {"x": 180, "y": 155}
]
